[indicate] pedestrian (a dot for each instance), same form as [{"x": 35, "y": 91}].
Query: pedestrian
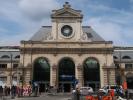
[
  {"x": 5, "y": 91},
  {"x": 8, "y": 91},
  {"x": 77, "y": 94},
  {"x": 13, "y": 91},
  {"x": 1, "y": 91},
  {"x": 36, "y": 89}
]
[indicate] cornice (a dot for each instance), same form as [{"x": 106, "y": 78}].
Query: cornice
[
  {"x": 67, "y": 50},
  {"x": 61, "y": 42}
]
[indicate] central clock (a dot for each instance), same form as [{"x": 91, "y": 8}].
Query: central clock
[{"x": 66, "y": 30}]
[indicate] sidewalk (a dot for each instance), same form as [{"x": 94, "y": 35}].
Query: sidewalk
[{"x": 64, "y": 96}]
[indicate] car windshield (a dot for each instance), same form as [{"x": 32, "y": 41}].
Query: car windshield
[{"x": 84, "y": 88}]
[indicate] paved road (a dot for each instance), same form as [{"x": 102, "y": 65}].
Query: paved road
[{"x": 43, "y": 97}]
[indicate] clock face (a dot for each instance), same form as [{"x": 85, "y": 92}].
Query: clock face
[{"x": 66, "y": 30}]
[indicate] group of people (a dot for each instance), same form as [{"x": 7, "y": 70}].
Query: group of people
[
  {"x": 6, "y": 90},
  {"x": 14, "y": 91}
]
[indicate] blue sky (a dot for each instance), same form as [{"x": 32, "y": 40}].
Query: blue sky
[{"x": 111, "y": 19}]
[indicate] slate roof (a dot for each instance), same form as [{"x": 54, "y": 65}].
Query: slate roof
[
  {"x": 120, "y": 52},
  {"x": 45, "y": 30},
  {"x": 7, "y": 52}
]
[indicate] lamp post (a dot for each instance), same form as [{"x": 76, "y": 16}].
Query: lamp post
[
  {"x": 21, "y": 77},
  {"x": 11, "y": 69}
]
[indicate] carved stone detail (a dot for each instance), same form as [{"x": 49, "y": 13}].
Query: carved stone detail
[
  {"x": 84, "y": 37},
  {"x": 48, "y": 37}
]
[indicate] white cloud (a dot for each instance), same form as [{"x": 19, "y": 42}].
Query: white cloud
[
  {"x": 111, "y": 31},
  {"x": 37, "y": 9},
  {"x": 16, "y": 12},
  {"x": 30, "y": 15},
  {"x": 131, "y": 1},
  {"x": 112, "y": 24}
]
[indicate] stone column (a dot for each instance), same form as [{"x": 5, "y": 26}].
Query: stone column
[
  {"x": 53, "y": 75},
  {"x": 79, "y": 74},
  {"x": 8, "y": 79}
]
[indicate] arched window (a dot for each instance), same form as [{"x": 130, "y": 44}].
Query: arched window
[
  {"x": 17, "y": 57},
  {"x": 126, "y": 57},
  {"x": 128, "y": 66},
  {"x": 66, "y": 74},
  {"x": 115, "y": 57},
  {"x": 41, "y": 73},
  {"x": 91, "y": 73},
  {"x": 41, "y": 70},
  {"x": 5, "y": 56}
]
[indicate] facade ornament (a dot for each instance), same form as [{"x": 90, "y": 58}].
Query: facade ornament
[
  {"x": 54, "y": 67},
  {"x": 66, "y": 5},
  {"x": 79, "y": 67},
  {"x": 48, "y": 37},
  {"x": 84, "y": 37}
]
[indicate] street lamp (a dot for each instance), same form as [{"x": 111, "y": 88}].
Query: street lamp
[{"x": 11, "y": 69}]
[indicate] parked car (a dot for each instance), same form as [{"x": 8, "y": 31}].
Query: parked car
[
  {"x": 84, "y": 90},
  {"x": 117, "y": 89}
]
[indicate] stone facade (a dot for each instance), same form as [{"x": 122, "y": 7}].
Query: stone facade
[
  {"x": 9, "y": 62},
  {"x": 66, "y": 38},
  {"x": 83, "y": 43}
]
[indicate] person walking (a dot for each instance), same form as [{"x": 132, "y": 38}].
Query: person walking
[{"x": 13, "y": 91}]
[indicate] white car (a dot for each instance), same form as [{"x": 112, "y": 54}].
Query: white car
[{"x": 84, "y": 90}]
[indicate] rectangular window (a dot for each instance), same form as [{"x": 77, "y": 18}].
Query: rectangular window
[
  {"x": 15, "y": 65},
  {"x": 15, "y": 78},
  {"x": 117, "y": 65},
  {"x": 128, "y": 66},
  {"x": 3, "y": 78},
  {"x": 3, "y": 66}
]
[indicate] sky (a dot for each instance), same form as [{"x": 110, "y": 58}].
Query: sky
[{"x": 111, "y": 19}]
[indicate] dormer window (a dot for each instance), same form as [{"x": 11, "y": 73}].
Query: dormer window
[
  {"x": 89, "y": 35},
  {"x": 17, "y": 57},
  {"x": 126, "y": 57},
  {"x": 5, "y": 56},
  {"x": 115, "y": 57}
]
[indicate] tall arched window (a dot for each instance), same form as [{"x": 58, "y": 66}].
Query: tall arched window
[
  {"x": 66, "y": 74},
  {"x": 91, "y": 73},
  {"x": 41, "y": 70},
  {"x": 41, "y": 73}
]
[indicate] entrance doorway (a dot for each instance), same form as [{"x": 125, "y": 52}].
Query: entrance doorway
[
  {"x": 41, "y": 73},
  {"x": 91, "y": 73},
  {"x": 66, "y": 75},
  {"x": 129, "y": 79}
]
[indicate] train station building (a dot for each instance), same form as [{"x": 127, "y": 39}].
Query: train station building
[{"x": 67, "y": 53}]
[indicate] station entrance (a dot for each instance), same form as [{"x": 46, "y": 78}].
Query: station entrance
[
  {"x": 41, "y": 73},
  {"x": 129, "y": 80},
  {"x": 91, "y": 72},
  {"x": 66, "y": 75}
]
